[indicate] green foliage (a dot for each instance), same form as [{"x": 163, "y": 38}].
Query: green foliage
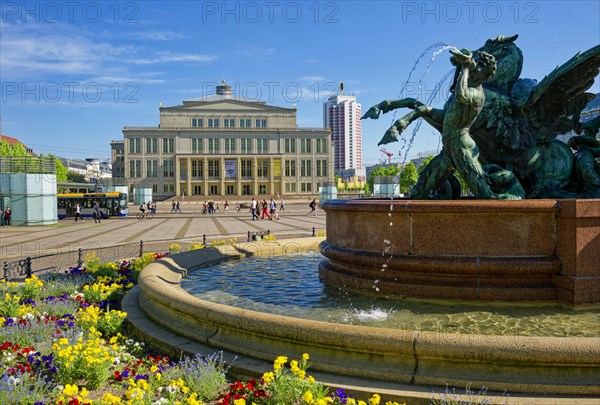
[
  {"x": 203, "y": 375},
  {"x": 408, "y": 177},
  {"x": 61, "y": 171},
  {"x": 425, "y": 163},
  {"x": 74, "y": 177},
  {"x": 5, "y": 149},
  {"x": 390, "y": 170}
]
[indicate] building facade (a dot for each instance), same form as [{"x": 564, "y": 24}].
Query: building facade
[
  {"x": 223, "y": 145},
  {"x": 343, "y": 116}
]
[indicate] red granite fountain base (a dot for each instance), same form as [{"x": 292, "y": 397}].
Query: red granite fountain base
[{"x": 531, "y": 250}]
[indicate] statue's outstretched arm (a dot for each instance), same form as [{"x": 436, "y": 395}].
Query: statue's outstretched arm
[
  {"x": 433, "y": 116},
  {"x": 390, "y": 105}
]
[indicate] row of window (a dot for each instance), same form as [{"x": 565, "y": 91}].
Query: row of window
[
  {"x": 228, "y": 123},
  {"x": 230, "y": 145},
  {"x": 214, "y": 168},
  {"x": 230, "y": 189}
]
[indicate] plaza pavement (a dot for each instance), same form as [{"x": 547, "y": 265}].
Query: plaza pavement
[{"x": 55, "y": 247}]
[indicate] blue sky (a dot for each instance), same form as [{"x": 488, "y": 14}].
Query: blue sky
[{"x": 73, "y": 74}]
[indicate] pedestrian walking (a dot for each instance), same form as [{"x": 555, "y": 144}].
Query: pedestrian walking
[
  {"x": 97, "y": 213},
  {"x": 282, "y": 205},
  {"x": 78, "y": 212},
  {"x": 177, "y": 207},
  {"x": 313, "y": 207},
  {"x": 173, "y": 206},
  {"x": 265, "y": 208},
  {"x": 273, "y": 209},
  {"x": 226, "y": 206},
  {"x": 7, "y": 214},
  {"x": 253, "y": 206}
]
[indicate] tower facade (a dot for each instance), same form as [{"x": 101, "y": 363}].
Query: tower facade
[{"x": 342, "y": 115}]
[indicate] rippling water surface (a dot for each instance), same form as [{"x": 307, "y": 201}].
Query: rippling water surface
[{"x": 290, "y": 286}]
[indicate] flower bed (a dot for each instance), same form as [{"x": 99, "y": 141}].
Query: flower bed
[{"x": 63, "y": 341}]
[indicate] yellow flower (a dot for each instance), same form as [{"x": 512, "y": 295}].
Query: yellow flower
[
  {"x": 108, "y": 398},
  {"x": 239, "y": 402},
  {"x": 268, "y": 377},
  {"x": 308, "y": 397},
  {"x": 70, "y": 390},
  {"x": 305, "y": 357},
  {"x": 374, "y": 400}
]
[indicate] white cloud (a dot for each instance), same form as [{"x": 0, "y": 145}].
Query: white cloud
[
  {"x": 155, "y": 35},
  {"x": 164, "y": 57},
  {"x": 313, "y": 79}
]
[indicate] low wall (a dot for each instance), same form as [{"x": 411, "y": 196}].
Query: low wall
[
  {"x": 479, "y": 250},
  {"x": 568, "y": 366}
]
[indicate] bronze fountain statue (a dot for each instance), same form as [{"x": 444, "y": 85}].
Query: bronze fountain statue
[{"x": 498, "y": 131}]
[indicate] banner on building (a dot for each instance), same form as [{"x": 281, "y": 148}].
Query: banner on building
[
  {"x": 277, "y": 167},
  {"x": 230, "y": 169}
]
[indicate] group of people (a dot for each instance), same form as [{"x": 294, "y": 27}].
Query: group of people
[
  {"x": 150, "y": 206},
  {"x": 175, "y": 207},
  {"x": 268, "y": 209},
  {"x": 97, "y": 213},
  {"x": 6, "y": 216}
]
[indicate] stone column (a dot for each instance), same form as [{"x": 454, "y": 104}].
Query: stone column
[
  {"x": 177, "y": 177},
  {"x": 189, "y": 175}
]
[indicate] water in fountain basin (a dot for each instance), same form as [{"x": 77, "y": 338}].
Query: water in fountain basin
[{"x": 291, "y": 286}]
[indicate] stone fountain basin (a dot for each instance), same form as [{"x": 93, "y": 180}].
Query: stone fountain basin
[{"x": 547, "y": 365}]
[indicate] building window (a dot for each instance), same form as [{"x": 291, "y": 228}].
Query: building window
[
  {"x": 155, "y": 188},
  {"x": 290, "y": 146},
  {"x": 168, "y": 188},
  {"x": 135, "y": 168},
  {"x": 213, "y": 123},
  {"x": 197, "y": 145},
  {"x": 290, "y": 168},
  {"x": 213, "y": 190},
  {"x": 245, "y": 123},
  {"x": 197, "y": 122},
  {"x": 262, "y": 189},
  {"x": 197, "y": 168},
  {"x": 151, "y": 168},
  {"x": 305, "y": 145},
  {"x": 246, "y": 169},
  {"x": 306, "y": 187},
  {"x": 197, "y": 190},
  {"x": 321, "y": 145},
  {"x": 246, "y": 145},
  {"x": 229, "y": 145},
  {"x": 135, "y": 145},
  {"x": 290, "y": 187},
  {"x": 305, "y": 167},
  {"x": 263, "y": 168},
  {"x": 321, "y": 167},
  {"x": 262, "y": 145},
  {"x": 213, "y": 169},
  {"x": 261, "y": 123},
  {"x": 152, "y": 145},
  {"x": 230, "y": 189},
  {"x": 169, "y": 168},
  {"x": 246, "y": 189},
  {"x": 213, "y": 145},
  {"x": 168, "y": 145},
  {"x": 229, "y": 123}
]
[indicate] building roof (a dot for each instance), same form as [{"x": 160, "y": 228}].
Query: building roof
[{"x": 14, "y": 141}]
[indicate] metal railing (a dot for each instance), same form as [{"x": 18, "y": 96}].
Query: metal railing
[{"x": 28, "y": 165}]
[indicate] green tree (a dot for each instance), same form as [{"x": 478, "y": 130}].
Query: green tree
[
  {"x": 5, "y": 149},
  {"x": 389, "y": 170},
  {"x": 408, "y": 177},
  {"x": 74, "y": 177},
  {"x": 61, "y": 170}
]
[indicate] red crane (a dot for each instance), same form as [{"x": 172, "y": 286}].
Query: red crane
[{"x": 389, "y": 155}]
